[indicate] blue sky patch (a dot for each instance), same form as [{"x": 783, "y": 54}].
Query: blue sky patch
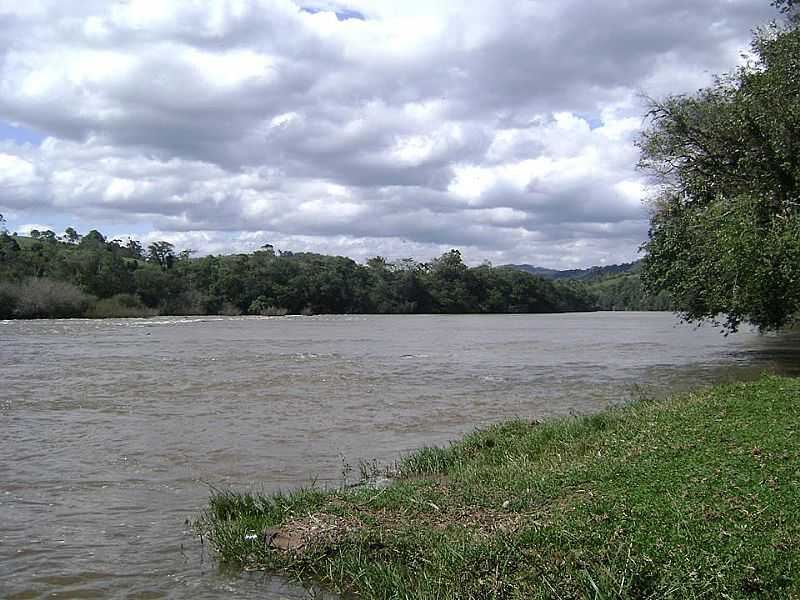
[
  {"x": 342, "y": 14},
  {"x": 20, "y": 135},
  {"x": 594, "y": 121}
]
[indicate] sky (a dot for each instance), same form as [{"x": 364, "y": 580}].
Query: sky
[{"x": 505, "y": 129}]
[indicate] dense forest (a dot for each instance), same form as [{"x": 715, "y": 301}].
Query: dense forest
[
  {"x": 611, "y": 287},
  {"x": 45, "y": 275},
  {"x": 590, "y": 274}
]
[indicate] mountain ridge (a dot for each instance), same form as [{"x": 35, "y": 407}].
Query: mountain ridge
[{"x": 588, "y": 274}]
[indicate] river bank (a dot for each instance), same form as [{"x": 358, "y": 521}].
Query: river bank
[{"x": 694, "y": 495}]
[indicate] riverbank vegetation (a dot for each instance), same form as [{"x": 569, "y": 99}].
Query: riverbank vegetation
[
  {"x": 45, "y": 275},
  {"x": 725, "y": 232},
  {"x": 693, "y": 496},
  {"x": 610, "y": 287}
]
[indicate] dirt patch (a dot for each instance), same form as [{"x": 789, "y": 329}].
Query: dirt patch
[
  {"x": 324, "y": 528},
  {"x": 297, "y": 534}
]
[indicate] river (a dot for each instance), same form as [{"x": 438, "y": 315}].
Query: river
[{"x": 115, "y": 430}]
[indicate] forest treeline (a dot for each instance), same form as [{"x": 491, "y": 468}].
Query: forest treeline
[
  {"x": 611, "y": 287},
  {"x": 45, "y": 275},
  {"x": 620, "y": 288}
]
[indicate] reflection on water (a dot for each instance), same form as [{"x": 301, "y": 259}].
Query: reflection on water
[{"x": 114, "y": 430}]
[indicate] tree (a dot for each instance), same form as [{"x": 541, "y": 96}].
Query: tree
[
  {"x": 135, "y": 249},
  {"x": 9, "y": 255},
  {"x": 788, "y": 8},
  {"x": 450, "y": 284},
  {"x": 48, "y": 236},
  {"x": 724, "y": 239},
  {"x": 186, "y": 255},
  {"x": 161, "y": 253},
  {"x": 71, "y": 235},
  {"x": 93, "y": 240},
  {"x": 101, "y": 272}
]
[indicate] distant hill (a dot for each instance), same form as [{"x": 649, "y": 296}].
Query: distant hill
[
  {"x": 539, "y": 271},
  {"x": 24, "y": 240},
  {"x": 590, "y": 274},
  {"x": 612, "y": 287}
]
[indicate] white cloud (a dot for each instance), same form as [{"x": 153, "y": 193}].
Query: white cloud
[
  {"x": 28, "y": 227},
  {"x": 504, "y": 130}
]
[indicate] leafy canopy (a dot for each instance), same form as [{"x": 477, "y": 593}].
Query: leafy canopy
[{"x": 725, "y": 230}]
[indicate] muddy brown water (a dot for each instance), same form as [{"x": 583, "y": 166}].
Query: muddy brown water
[{"x": 114, "y": 430}]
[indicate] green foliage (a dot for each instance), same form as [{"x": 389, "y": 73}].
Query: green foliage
[
  {"x": 590, "y": 274},
  {"x": 9, "y": 298},
  {"x": 610, "y": 287},
  {"x": 9, "y": 256},
  {"x": 37, "y": 298},
  {"x": 690, "y": 497},
  {"x": 162, "y": 254},
  {"x": 724, "y": 233},
  {"x": 71, "y": 236},
  {"x": 626, "y": 292},
  {"x": 135, "y": 249},
  {"x": 92, "y": 240},
  {"x": 738, "y": 268},
  {"x": 272, "y": 283},
  {"x": 450, "y": 287},
  {"x": 120, "y": 306},
  {"x": 266, "y": 282},
  {"x": 261, "y": 306}
]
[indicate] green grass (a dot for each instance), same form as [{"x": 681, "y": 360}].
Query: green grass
[{"x": 697, "y": 496}]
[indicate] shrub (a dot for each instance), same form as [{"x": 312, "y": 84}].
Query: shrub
[
  {"x": 9, "y": 297},
  {"x": 42, "y": 298},
  {"x": 188, "y": 302},
  {"x": 229, "y": 310},
  {"x": 120, "y": 306},
  {"x": 261, "y": 306}
]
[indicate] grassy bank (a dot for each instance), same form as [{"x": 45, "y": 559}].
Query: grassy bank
[{"x": 695, "y": 496}]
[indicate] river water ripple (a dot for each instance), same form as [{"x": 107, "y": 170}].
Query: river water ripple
[{"x": 114, "y": 430}]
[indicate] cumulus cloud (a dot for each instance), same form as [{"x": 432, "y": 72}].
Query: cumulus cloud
[{"x": 358, "y": 127}]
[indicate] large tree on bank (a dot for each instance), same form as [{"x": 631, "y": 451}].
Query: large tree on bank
[{"x": 724, "y": 239}]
